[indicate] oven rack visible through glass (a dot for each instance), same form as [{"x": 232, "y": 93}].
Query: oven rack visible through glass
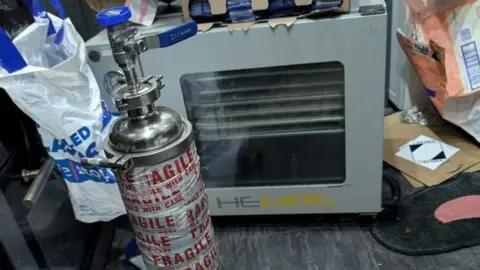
[{"x": 282, "y": 125}]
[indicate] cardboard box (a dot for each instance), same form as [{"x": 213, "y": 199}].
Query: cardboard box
[
  {"x": 98, "y": 5},
  {"x": 443, "y": 50},
  {"x": 219, "y": 7},
  {"x": 397, "y": 134}
]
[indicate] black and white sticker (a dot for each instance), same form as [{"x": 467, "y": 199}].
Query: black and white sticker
[{"x": 427, "y": 152}]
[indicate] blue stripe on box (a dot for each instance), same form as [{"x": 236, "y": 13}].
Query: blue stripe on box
[
  {"x": 431, "y": 93},
  {"x": 106, "y": 116}
]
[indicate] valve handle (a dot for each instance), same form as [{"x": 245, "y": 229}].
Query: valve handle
[
  {"x": 114, "y": 16},
  {"x": 177, "y": 34}
]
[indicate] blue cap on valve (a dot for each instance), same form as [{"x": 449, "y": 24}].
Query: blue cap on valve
[{"x": 114, "y": 16}]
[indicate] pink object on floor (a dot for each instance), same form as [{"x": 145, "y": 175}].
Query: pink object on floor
[{"x": 465, "y": 207}]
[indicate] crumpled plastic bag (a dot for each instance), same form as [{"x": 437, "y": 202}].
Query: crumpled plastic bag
[
  {"x": 445, "y": 53},
  {"x": 45, "y": 72}
]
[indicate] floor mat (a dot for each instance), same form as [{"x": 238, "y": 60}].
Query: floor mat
[{"x": 437, "y": 219}]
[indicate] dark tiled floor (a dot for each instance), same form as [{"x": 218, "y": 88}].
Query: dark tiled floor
[
  {"x": 318, "y": 243},
  {"x": 321, "y": 242},
  {"x": 336, "y": 242}
]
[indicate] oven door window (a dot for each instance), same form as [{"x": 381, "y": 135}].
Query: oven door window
[{"x": 269, "y": 126}]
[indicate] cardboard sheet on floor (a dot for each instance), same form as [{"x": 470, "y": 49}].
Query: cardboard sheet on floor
[
  {"x": 417, "y": 184},
  {"x": 397, "y": 134}
]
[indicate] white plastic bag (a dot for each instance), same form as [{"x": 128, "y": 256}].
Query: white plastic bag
[
  {"x": 143, "y": 11},
  {"x": 47, "y": 77}
]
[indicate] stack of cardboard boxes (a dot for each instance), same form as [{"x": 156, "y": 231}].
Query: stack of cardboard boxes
[{"x": 219, "y": 8}]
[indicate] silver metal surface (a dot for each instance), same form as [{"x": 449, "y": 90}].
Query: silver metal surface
[
  {"x": 158, "y": 155},
  {"x": 152, "y": 139},
  {"x": 146, "y": 132},
  {"x": 151, "y": 42},
  {"x": 267, "y": 102},
  {"x": 146, "y": 135},
  {"x": 270, "y": 111},
  {"x": 268, "y": 123},
  {"x": 36, "y": 188},
  {"x": 361, "y": 48},
  {"x": 121, "y": 39},
  {"x": 148, "y": 91},
  {"x": 141, "y": 111},
  {"x": 131, "y": 78},
  {"x": 112, "y": 80},
  {"x": 140, "y": 67},
  {"x": 98, "y": 162},
  {"x": 28, "y": 175}
]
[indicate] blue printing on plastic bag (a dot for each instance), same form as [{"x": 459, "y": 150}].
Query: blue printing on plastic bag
[
  {"x": 37, "y": 10},
  {"x": 61, "y": 13},
  {"x": 10, "y": 58},
  {"x": 106, "y": 115},
  {"x": 73, "y": 171}
]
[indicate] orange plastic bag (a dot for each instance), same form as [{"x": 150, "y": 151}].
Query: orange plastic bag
[{"x": 445, "y": 53}]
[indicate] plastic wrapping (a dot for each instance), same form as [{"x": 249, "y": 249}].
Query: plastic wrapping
[
  {"x": 45, "y": 73},
  {"x": 444, "y": 52},
  {"x": 168, "y": 208},
  {"x": 426, "y": 116}
]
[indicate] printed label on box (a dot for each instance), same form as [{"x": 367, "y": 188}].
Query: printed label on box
[{"x": 426, "y": 152}]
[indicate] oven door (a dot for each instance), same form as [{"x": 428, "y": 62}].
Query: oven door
[
  {"x": 292, "y": 114},
  {"x": 287, "y": 120},
  {"x": 281, "y": 125}
]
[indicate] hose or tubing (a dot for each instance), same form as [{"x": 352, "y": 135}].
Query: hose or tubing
[{"x": 396, "y": 192}]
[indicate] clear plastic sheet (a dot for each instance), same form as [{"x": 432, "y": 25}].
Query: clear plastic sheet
[{"x": 427, "y": 116}]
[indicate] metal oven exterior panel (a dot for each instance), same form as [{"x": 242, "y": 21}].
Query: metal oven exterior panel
[{"x": 358, "y": 42}]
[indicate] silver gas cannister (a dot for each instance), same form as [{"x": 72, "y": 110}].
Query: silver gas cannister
[{"x": 152, "y": 153}]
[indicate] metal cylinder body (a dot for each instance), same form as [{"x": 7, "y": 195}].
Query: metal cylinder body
[
  {"x": 167, "y": 206},
  {"x": 155, "y": 159}
]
